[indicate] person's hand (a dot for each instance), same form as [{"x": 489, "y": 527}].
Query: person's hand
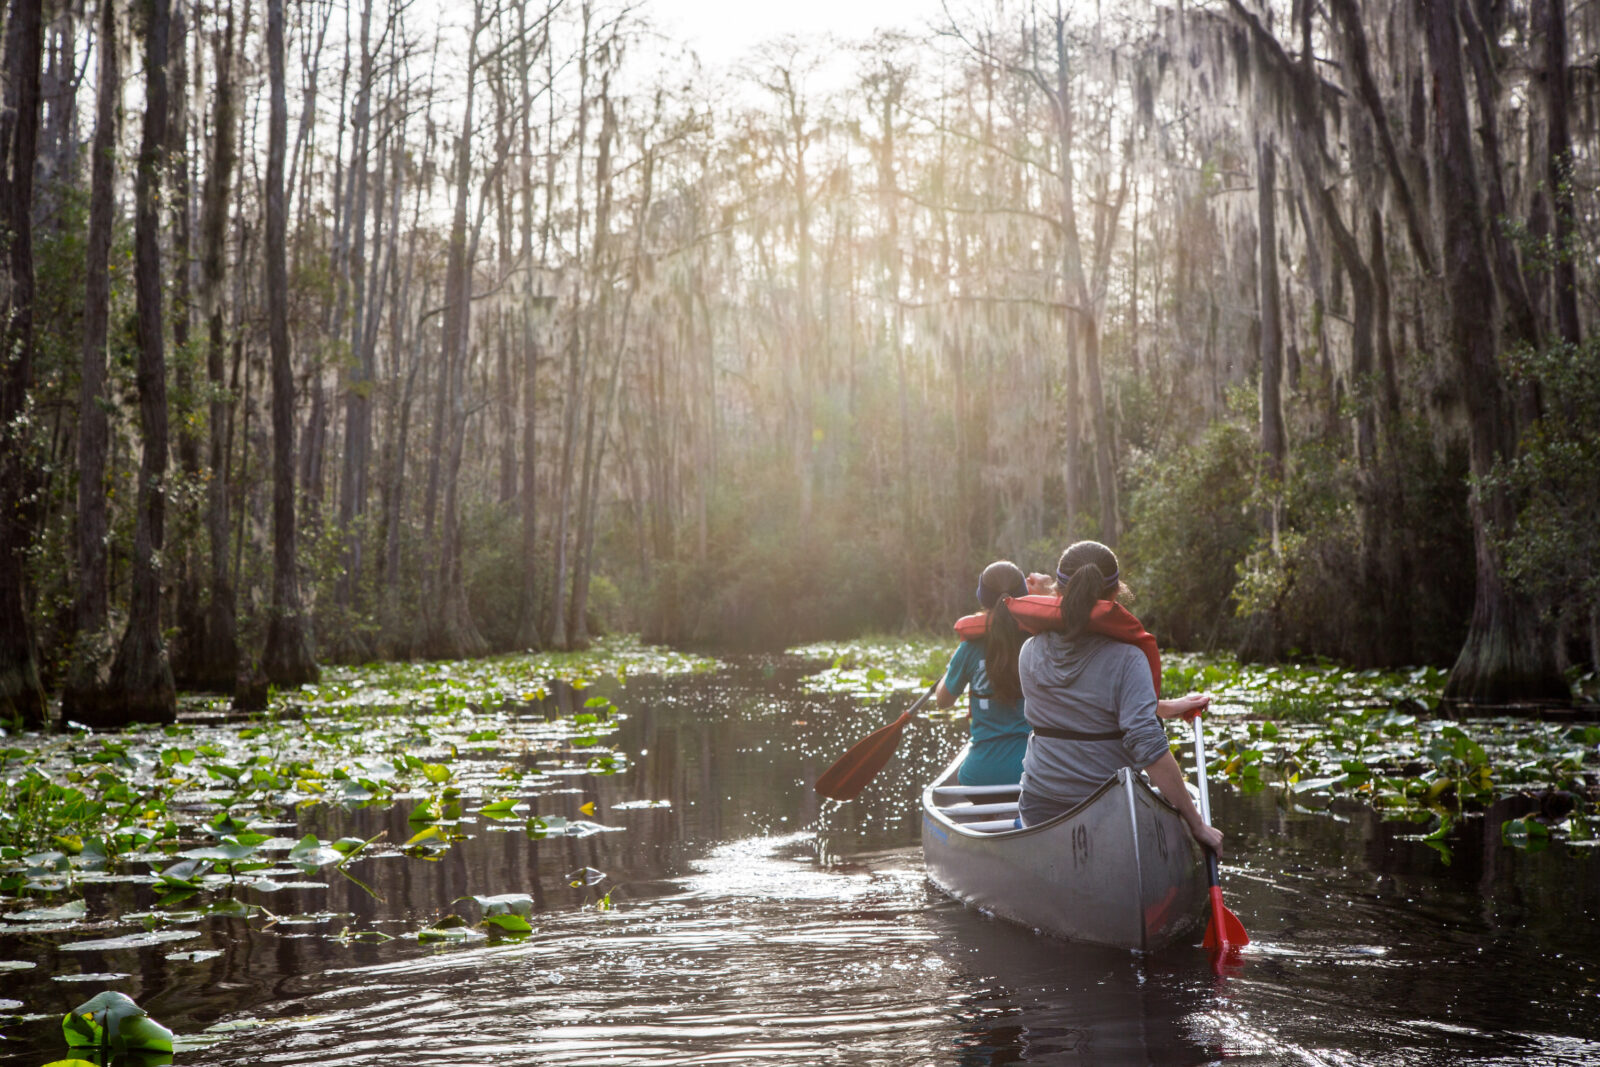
[
  {"x": 1208, "y": 836},
  {"x": 1184, "y": 707},
  {"x": 1040, "y": 584}
]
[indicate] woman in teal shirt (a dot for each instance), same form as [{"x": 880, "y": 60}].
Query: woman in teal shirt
[{"x": 989, "y": 668}]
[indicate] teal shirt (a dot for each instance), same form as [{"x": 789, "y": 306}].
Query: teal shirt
[{"x": 999, "y": 730}]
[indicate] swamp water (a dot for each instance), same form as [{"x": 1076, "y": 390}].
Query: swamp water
[{"x": 688, "y": 900}]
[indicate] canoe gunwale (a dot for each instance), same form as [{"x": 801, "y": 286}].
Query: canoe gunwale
[{"x": 937, "y": 813}]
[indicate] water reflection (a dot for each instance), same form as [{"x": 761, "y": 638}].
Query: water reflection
[{"x": 752, "y": 923}]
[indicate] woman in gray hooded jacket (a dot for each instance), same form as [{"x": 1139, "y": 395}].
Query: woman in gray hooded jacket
[{"x": 1092, "y": 704}]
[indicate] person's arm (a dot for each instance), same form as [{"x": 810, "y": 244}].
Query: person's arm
[
  {"x": 1145, "y": 741},
  {"x": 1183, "y": 706},
  {"x": 954, "y": 682},
  {"x": 1167, "y": 776}
]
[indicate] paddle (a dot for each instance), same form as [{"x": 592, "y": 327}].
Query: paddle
[
  {"x": 849, "y": 776},
  {"x": 1224, "y": 932}
]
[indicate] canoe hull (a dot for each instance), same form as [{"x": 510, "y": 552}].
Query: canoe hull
[{"x": 1120, "y": 869}]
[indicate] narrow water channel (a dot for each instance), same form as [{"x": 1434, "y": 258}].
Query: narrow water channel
[{"x": 750, "y": 923}]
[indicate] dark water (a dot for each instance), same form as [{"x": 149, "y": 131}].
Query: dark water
[{"x": 751, "y": 926}]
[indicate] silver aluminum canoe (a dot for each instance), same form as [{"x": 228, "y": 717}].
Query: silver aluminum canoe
[{"x": 1120, "y": 869}]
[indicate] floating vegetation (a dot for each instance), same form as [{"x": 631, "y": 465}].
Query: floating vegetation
[
  {"x": 112, "y": 1022},
  {"x": 197, "y": 809},
  {"x": 876, "y": 668},
  {"x": 1295, "y": 691},
  {"x": 1320, "y": 731},
  {"x": 1420, "y": 769},
  {"x": 524, "y": 677}
]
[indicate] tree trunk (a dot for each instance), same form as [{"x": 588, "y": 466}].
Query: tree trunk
[
  {"x": 451, "y": 631},
  {"x": 1506, "y": 657},
  {"x": 1274, "y": 442},
  {"x": 559, "y": 636},
  {"x": 287, "y": 659},
  {"x": 141, "y": 688},
  {"x": 358, "y": 385},
  {"x": 1519, "y": 322},
  {"x": 218, "y": 665},
  {"x": 21, "y": 696},
  {"x": 1558, "y": 174},
  {"x": 528, "y": 607},
  {"x": 189, "y": 618},
  {"x": 593, "y": 444},
  {"x": 91, "y": 653}
]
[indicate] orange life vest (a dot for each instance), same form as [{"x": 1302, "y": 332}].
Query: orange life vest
[{"x": 1036, "y": 614}]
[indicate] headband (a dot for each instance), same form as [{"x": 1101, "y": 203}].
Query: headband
[
  {"x": 1066, "y": 579},
  {"x": 996, "y": 597}
]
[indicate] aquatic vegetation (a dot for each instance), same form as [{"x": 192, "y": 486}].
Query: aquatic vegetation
[
  {"x": 521, "y": 677},
  {"x": 112, "y": 1023},
  {"x": 1294, "y": 691},
  {"x": 1316, "y": 730},
  {"x": 194, "y": 808},
  {"x": 876, "y": 668},
  {"x": 1414, "y": 767}
]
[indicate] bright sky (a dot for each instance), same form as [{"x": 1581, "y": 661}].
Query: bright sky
[{"x": 725, "y": 31}]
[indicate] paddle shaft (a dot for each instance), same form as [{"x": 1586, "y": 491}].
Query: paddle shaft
[
  {"x": 1205, "y": 794},
  {"x": 924, "y": 698},
  {"x": 852, "y": 771},
  {"x": 1224, "y": 933}
]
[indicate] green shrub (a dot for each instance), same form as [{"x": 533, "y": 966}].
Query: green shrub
[{"x": 1190, "y": 525}]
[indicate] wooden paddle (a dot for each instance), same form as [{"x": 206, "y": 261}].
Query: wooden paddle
[
  {"x": 849, "y": 776},
  {"x": 1224, "y": 932}
]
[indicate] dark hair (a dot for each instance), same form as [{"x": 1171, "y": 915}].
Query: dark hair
[
  {"x": 1002, "y": 640},
  {"x": 1087, "y": 574}
]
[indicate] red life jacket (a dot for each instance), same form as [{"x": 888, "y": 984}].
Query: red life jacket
[{"x": 1036, "y": 614}]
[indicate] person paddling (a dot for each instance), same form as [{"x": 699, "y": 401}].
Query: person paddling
[
  {"x": 988, "y": 667},
  {"x": 1091, "y": 700}
]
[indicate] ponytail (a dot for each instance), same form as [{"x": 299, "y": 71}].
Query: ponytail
[
  {"x": 1003, "y": 638},
  {"x": 1002, "y": 643},
  {"x": 1087, "y": 574},
  {"x": 1081, "y": 595}
]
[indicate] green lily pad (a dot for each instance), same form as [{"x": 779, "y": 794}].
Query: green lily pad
[
  {"x": 76, "y": 909},
  {"x": 135, "y": 941},
  {"x": 506, "y": 904},
  {"x": 511, "y": 924},
  {"x": 310, "y": 853},
  {"x": 114, "y": 1018}
]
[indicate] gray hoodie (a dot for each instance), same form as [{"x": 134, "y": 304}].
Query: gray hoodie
[{"x": 1090, "y": 684}]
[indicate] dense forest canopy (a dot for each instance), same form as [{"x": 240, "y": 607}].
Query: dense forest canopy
[{"x": 336, "y": 332}]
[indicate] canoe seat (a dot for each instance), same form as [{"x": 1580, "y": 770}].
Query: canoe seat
[
  {"x": 965, "y": 811},
  {"x": 976, "y": 790},
  {"x": 992, "y": 826}
]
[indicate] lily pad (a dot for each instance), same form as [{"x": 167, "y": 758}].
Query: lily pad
[
  {"x": 506, "y": 904},
  {"x": 310, "y": 853},
  {"x": 115, "y": 1019},
  {"x": 76, "y": 909},
  {"x": 510, "y": 924},
  {"x": 143, "y": 940}
]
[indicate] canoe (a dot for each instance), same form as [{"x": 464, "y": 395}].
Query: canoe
[{"x": 1120, "y": 869}]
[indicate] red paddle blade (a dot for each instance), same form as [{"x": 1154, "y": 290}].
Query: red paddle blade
[
  {"x": 849, "y": 776},
  {"x": 1225, "y": 934}
]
